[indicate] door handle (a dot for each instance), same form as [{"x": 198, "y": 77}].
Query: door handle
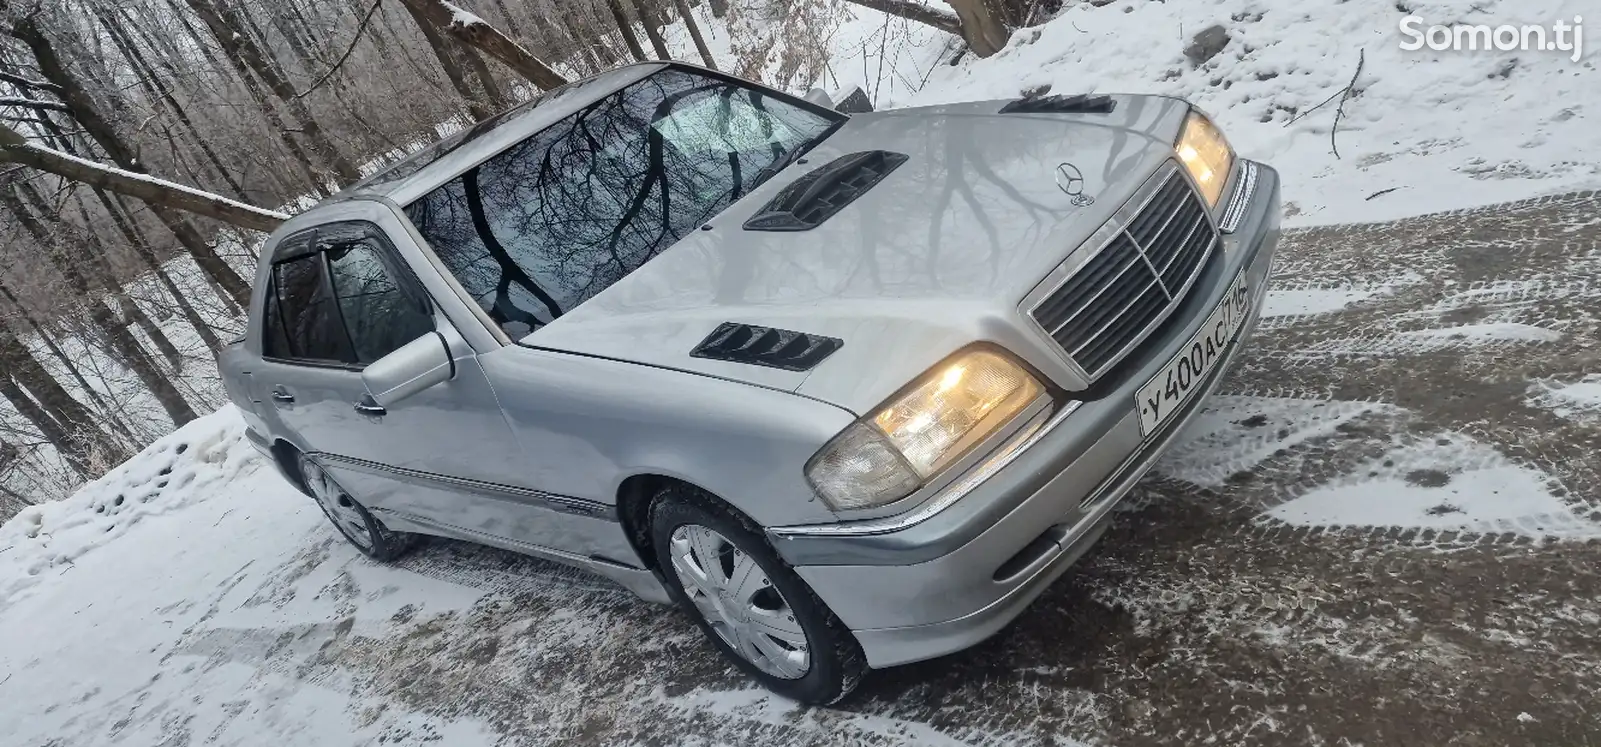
[
  {"x": 367, "y": 406},
  {"x": 282, "y": 395}
]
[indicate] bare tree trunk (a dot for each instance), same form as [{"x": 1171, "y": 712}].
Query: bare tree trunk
[
  {"x": 487, "y": 39},
  {"x": 511, "y": 21},
  {"x": 84, "y": 109},
  {"x": 652, "y": 31},
  {"x": 235, "y": 43},
  {"x": 630, "y": 39},
  {"x": 147, "y": 255},
  {"x": 120, "y": 339},
  {"x": 983, "y": 25},
  {"x": 449, "y": 59},
  {"x": 585, "y": 44},
  {"x": 71, "y": 367},
  {"x": 914, "y": 11},
  {"x": 694, "y": 33},
  {"x": 14, "y": 148},
  {"x": 71, "y": 449},
  {"x": 145, "y": 73},
  {"x": 76, "y": 430}
]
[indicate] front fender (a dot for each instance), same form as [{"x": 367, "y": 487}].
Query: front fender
[{"x": 586, "y": 424}]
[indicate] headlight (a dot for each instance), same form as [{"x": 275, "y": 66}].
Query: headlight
[
  {"x": 1206, "y": 154},
  {"x": 883, "y": 458}
]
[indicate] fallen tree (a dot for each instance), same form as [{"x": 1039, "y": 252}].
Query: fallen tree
[{"x": 14, "y": 148}]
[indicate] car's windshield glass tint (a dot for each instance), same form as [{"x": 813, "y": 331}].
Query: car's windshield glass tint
[{"x": 554, "y": 220}]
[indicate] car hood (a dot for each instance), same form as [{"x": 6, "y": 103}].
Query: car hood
[{"x": 933, "y": 258}]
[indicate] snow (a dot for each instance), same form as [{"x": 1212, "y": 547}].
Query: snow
[
  {"x": 1443, "y": 130},
  {"x": 1448, "y": 483},
  {"x": 1303, "y": 301},
  {"x": 1497, "y": 331},
  {"x": 1236, "y": 433},
  {"x": 1575, "y": 400},
  {"x": 192, "y": 464},
  {"x": 1584, "y": 394},
  {"x": 460, "y": 16},
  {"x": 96, "y": 165}
]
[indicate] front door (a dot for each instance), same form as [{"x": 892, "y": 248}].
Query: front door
[{"x": 338, "y": 301}]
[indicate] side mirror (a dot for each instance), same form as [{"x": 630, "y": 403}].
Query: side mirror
[{"x": 415, "y": 366}]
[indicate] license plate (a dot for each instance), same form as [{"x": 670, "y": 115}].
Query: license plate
[{"x": 1165, "y": 394}]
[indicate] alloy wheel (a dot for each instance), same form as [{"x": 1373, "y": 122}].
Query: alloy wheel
[{"x": 739, "y": 602}]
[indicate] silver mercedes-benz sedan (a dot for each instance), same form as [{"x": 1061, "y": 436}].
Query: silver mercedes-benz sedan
[{"x": 850, "y": 390}]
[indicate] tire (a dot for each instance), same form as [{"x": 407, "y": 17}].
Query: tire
[
  {"x": 364, "y": 532},
  {"x": 772, "y": 627}
]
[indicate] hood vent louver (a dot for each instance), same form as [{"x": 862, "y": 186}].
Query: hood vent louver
[
  {"x": 766, "y": 346},
  {"x": 1078, "y": 103},
  {"x": 808, "y": 201}
]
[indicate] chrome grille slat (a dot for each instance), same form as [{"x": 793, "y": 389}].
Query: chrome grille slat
[
  {"x": 1200, "y": 220},
  {"x": 1108, "y": 315},
  {"x": 1160, "y": 246},
  {"x": 1169, "y": 201},
  {"x": 1148, "y": 310},
  {"x": 1101, "y": 271},
  {"x": 1134, "y": 279},
  {"x": 1130, "y": 265}
]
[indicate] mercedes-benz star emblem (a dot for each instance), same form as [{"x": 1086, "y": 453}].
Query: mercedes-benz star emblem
[{"x": 1071, "y": 181}]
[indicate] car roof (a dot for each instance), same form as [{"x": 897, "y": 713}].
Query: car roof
[{"x": 416, "y": 175}]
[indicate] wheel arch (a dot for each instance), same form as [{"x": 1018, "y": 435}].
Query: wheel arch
[
  {"x": 286, "y": 455},
  {"x": 635, "y": 495}
]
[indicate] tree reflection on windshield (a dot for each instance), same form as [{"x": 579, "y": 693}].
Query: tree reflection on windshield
[{"x": 555, "y": 219}]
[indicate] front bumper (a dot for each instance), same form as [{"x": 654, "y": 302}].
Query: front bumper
[{"x": 959, "y": 576}]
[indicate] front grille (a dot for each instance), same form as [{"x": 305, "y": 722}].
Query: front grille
[{"x": 1132, "y": 284}]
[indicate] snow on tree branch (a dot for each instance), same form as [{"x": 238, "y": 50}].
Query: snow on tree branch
[
  {"x": 15, "y": 148},
  {"x": 33, "y": 104}
]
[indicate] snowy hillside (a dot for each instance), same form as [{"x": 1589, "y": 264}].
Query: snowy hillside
[{"x": 1424, "y": 131}]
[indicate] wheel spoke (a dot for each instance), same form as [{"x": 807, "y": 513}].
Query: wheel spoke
[
  {"x": 779, "y": 624},
  {"x": 689, "y": 571},
  {"x": 783, "y": 660},
  {"x": 708, "y": 555},
  {"x": 746, "y": 580},
  {"x": 745, "y": 641}
]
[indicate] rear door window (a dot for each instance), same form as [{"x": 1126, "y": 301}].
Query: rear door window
[{"x": 311, "y": 327}]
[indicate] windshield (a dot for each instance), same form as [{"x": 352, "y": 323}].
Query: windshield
[{"x": 554, "y": 220}]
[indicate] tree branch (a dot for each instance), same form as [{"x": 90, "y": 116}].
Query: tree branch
[
  {"x": 15, "y": 148},
  {"x": 30, "y": 83},
  {"x": 360, "y": 29},
  {"x": 33, "y": 104},
  {"x": 477, "y": 33},
  {"x": 914, "y": 11}
]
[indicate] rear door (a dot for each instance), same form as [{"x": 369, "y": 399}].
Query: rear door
[{"x": 339, "y": 299}]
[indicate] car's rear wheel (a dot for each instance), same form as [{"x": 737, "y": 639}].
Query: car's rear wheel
[
  {"x": 352, "y": 520},
  {"x": 749, "y": 602}
]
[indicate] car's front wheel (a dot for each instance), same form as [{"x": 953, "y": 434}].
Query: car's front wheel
[
  {"x": 366, "y": 533},
  {"x": 749, "y": 602}
]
